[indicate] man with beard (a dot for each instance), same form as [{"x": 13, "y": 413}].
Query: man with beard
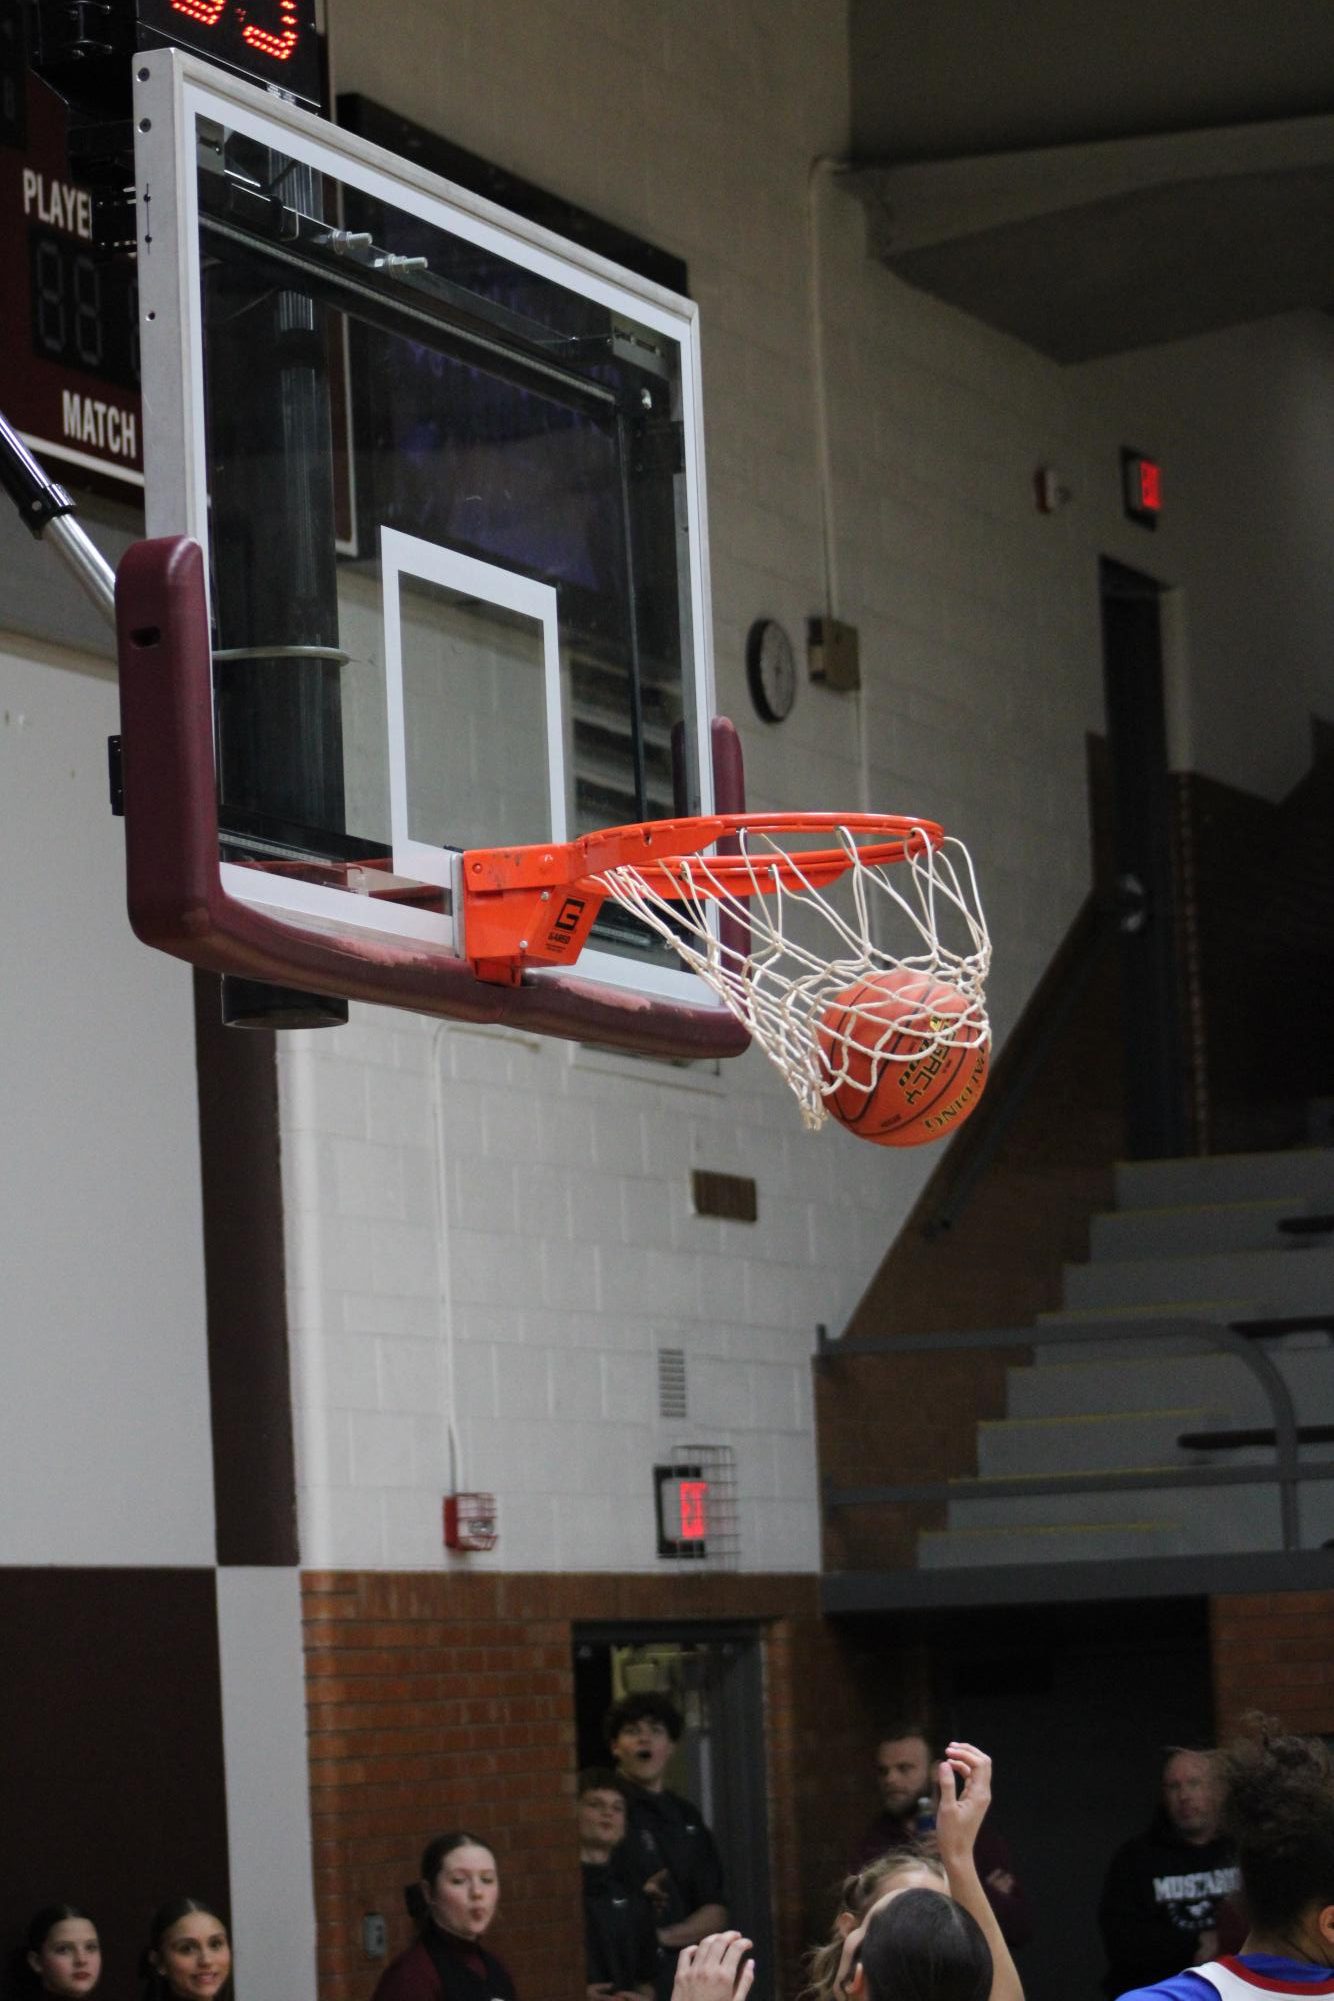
[
  {"x": 670, "y": 1852},
  {"x": 904, "y": 1769}
]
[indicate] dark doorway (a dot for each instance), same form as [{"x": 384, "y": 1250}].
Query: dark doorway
[
  {"x": 1132, "y": 641},
  {"x": 715, "y": 1676},
  {"x": 1078, "y": 1705},
  {"x": 111, "y": 1763}
]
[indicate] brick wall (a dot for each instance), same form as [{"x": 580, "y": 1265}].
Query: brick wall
[
  {"x": 439, "y": 1701},
  {"x": 1274, "y": 1651}
]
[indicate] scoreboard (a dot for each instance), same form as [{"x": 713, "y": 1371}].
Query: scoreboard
[
  {"x": 69, "y": 309},
  {"x": 69, "y": 332}
]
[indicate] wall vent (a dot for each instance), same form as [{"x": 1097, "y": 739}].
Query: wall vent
[
  {"x": 672, "y": 1383},
  {"x": 734, "y": 1197}
]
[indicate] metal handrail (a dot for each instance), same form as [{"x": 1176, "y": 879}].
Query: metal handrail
[{"x": 1287, "y": 1472}]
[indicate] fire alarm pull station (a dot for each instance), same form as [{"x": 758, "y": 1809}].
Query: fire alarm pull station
[{"x": 470, "y": 1521}]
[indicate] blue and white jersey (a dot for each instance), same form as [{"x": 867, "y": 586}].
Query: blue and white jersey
[{"x": 1240, "y": 1977}]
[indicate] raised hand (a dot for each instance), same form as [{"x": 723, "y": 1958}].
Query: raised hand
[
  {"x": 965, "y": 1795},
  {"x": 713, "y": 1969}
]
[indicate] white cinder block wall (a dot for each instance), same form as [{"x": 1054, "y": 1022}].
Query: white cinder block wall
[
  {"x": 493, "y": 1234},
  {"x": 105, "y": 1448}
]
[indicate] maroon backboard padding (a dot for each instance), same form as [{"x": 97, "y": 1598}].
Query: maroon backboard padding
[
  {"x": 729, "y": 782},
  {"x": 174, "y": 887}
]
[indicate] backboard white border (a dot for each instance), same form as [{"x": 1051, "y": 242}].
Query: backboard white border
[
  {"x": 172, "y": 91},
  {"x": 410, "y": 556}
]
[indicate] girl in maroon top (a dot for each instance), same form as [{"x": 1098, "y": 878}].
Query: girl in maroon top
[{"x": 460, "y": 1890}]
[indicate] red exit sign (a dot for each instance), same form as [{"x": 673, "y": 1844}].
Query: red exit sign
[
  {"x": 693, "y": 1510},
  {"x": 1141, "y": 487},
  {"x": 682, "y": 1495}
]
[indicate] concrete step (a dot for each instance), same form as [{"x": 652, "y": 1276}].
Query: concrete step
[
  {"x": 1085, "y": 1542},
  {"x": 1124, "y": 1441},
  {"x": 1284, "y": 1281},
  {"x": 1226, "y": 1177},
  {"x": 1137, "y": 1331},
  {"x": 1211, "y": 1520},
  {"x": 1195, "y": 1227},
  {"x": 1097, "y": 1383}
]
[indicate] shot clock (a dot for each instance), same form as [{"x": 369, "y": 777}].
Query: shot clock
[{"x": 268, "y": 41}]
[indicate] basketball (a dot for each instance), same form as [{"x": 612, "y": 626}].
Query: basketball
[{"x": 896, "y": 1086}]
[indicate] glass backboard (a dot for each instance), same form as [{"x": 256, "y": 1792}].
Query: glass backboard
[{"x": 446, "y": 470}]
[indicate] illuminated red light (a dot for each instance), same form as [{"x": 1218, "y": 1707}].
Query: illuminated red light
[
  {"x": 1141, "y": 487},
  {"x": 278, "y": 46},
  {"x": 694, "y": 1498}
]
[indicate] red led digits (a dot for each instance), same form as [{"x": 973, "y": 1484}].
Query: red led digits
[
  {"x": 694, "y": 1510},
  {"x": 274, "y": 42},
  {"x": 281, "y": 45}
]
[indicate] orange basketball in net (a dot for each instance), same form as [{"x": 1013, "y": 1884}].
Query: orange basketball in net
[{"x": 896, "y": 1085}]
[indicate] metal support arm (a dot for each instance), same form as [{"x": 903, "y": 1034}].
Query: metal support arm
[{"x": 47, "y": 512}]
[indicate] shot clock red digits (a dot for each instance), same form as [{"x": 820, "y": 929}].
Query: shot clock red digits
[
  {"x": 270, "y": 41},
  {"x": 281, "y": 46}
]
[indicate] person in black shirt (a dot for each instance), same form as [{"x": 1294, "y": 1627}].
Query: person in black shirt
[
  {"x": 620, "y": 1935},
  {"x": 1164, "y": 1889},
  {"x": 669, "y": 1851}
]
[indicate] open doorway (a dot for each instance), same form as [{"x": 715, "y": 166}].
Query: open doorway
[
  {"x": 715, "y": 1677},
  {"x": 1141, "y": 801}
]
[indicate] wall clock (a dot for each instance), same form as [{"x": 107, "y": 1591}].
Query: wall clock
[{"x": 771, "y": 670}]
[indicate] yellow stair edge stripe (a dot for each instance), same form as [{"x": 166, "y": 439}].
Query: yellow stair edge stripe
[
  {"x": 1100, "y": 1416},
  {"x": 1177, "y": 1309},
  {"x": 1057, "y": 1527},
  {"x": 966, "y": 1480}
]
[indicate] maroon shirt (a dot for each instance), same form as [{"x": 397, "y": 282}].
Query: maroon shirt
[
  {"x": 454, "y": 1968},
  {"x": 989, "y": 1853}
]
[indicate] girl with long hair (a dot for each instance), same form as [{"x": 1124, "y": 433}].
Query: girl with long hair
[
  {"x": 189, "y": 1955},
  {"x": 910, "y": 1867},
  {"x": 460, "y": 1888}
]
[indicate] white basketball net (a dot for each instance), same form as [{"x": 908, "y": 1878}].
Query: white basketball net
[{"x": 807, "y": 946}]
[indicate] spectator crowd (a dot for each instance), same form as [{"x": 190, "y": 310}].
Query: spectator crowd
[{"x": 1228, "y": 1891}]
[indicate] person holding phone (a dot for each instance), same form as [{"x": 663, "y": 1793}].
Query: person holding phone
[
  {"x": 907, "y": 1788},
  {"x": 933, "y": 1947}
]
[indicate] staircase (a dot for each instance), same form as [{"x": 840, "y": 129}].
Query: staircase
[{"x": 1242, "y": 1241}]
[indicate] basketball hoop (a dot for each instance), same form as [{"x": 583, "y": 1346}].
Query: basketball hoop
[{"x": 757, "y": 922}]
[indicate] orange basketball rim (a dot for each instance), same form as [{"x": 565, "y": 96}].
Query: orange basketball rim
[{"x": 784, "y": 916}]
